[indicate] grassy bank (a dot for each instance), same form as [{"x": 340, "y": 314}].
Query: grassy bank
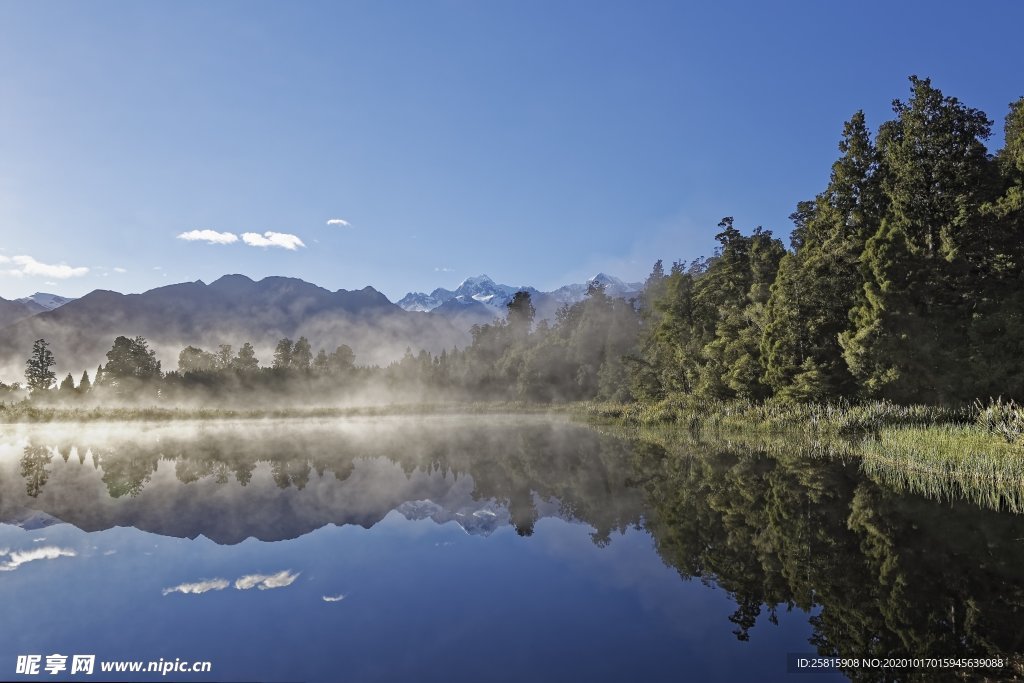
[
  {"x": 813, "y": 420},
  {"x": 973, "y": 453}
]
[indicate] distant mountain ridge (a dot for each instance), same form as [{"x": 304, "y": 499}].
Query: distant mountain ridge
[
  {"x": 234, "y": 309},
  {"x": 230, "y": 310},
  {"x": 481, "y": 298},
  {"x": 480, "y": 289},
  {"x": 13, "y": 311},
  {"x": 43, "y": 301}
]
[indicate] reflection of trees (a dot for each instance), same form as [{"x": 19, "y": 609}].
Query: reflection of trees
[
  {"x": 891, "y": 574},
  {"x": 886, "y": 574},
  {"x": 125, "y": 472},
  {"x": 34, "y": 461},
  {"x": 514, "y": 463}
]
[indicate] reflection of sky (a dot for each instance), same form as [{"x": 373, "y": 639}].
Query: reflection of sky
[{"x": 422, "y": 601}]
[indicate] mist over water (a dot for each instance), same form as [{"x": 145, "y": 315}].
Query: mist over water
[{"x": 374, "y": 548}]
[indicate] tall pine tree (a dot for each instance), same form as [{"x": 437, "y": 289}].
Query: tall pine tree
[
  {"x": 912, "y": 320},
  {"x": 817, "y": 284}
]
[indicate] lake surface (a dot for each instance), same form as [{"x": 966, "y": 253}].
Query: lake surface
[{"x": 482, "y": 548}]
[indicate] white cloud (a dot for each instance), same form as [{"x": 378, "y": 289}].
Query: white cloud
[
  {"x": 120, "y": 270},
  {"x": 272, "y": 239},
  {"x": 339, "y": 221},
  {"x": 265, "y": 581},
  {"x": 26, "y": 265},
  {"x": 333, "y": 598},
  {"x": 209, "y": 236},
  {"x": 198, "y": 587},
  {"x": 20, "y": 557},
  {"x": 443, "y": 270}
]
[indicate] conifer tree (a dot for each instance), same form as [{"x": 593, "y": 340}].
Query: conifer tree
[
  {"x": 246, "y": 359},
  {"x": 817, "y": 284},
  {"x": 302, "y": 354},
  {"x": 283, "y": 354},
  {"x": 908, "y": 342},
  {"x": 38, "y": 373}
]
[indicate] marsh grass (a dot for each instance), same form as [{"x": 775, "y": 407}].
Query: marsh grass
[
  {"x": 973, "y": 453},
  {"x": 1004, "y": 419},
  {"x": 948, "y": 463},
  {"x": 836, "y": 418}
]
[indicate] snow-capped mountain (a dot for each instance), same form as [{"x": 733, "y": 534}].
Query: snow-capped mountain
[
  {"x": 483, "y": 290},
  {"x": 479, "y": 289},
  {"x": 613, "y": 286},
  {"x": 43, "y": 301},
  {"x": 31, "y": 520},
  {"x": 477, "y": 518}
]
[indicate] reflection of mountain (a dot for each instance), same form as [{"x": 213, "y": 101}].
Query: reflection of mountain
[
  {"x": 477, "y": 518},
  {"x": 229, "y": 485},
  {"x": 30, "y": 520}
]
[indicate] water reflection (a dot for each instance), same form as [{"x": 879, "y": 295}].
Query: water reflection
[
  {"x": 272, "y": 482},
  {"x": 882, "y": 573}
]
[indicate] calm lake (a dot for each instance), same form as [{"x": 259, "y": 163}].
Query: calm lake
[{"x": 481, "y": 548}]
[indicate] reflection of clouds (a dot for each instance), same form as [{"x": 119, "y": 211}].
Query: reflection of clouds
[
  {"x": 334, "y": 598},
  {"x": 261, "y": 581},
  {"x": 20, "y": 557},
  {"x": 198, "y": 587},
  {"x": 265, "y": 581}
]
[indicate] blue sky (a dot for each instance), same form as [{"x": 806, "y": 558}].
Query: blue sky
[{"x": 538, "y": 142}]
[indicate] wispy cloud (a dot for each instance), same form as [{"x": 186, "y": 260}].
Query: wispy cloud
[
  {"x": 26, "y": 265},
  {"x": 441, "y": 269},
  {"x": 265, "y": 581},
  {"x": 209, "y": 236},
  {"x": 339, "y": 221},
  {"x": 118, "y": 269},
  {"x": 198, "y": 587},
  {"x": 20, "y": 557},
  {"x": 272, "y": 239},
  {"x": 333, "y": 598}
]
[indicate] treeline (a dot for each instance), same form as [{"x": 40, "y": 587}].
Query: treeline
[{"x": 904, "y": 281}]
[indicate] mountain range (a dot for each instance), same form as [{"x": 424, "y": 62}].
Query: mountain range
[
  {"x": 12, "y": 311},
  {"x": 235, "y": 309},
  {"x": 481, "y": 299}
]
